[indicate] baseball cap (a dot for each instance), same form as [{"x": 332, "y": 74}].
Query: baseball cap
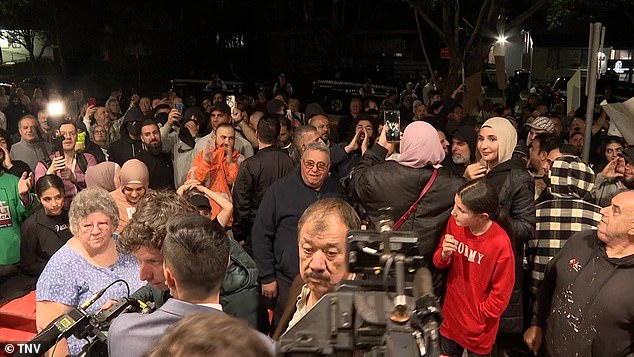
[
  {"x": 628, "y": 155},
  {"x": 199, "y": 201},
  {"x": 542, "y": 123},
  {"x": 222, "y": 106}
]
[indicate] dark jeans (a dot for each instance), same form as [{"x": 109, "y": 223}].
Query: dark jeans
[
  {"x": 510, "y": 345},
  {"x": 452, "y": 349}
]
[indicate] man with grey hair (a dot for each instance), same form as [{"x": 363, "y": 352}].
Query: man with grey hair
[
  {"x": 302, "y": 137},
  {"x": 275, "y": 227},
  {"x": 31, "y": 148},
  {"x": 322, "y": 229}
]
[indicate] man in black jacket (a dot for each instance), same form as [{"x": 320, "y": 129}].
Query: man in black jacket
[
  {"x": 585, "y": 301},
  {"x": 255, "y": 176},
  {"x": 275, "y": 228},
  {"x": 159, "y": 164},
  {"x": 129, "y": 146}
]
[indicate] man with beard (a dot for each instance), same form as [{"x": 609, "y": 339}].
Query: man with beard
[
  {"x": 221, "y": 113},
  {"x": 345, "y": 156},
  {"x": 158, "y": 163},
  {"x": 216, "y": 166},
  {"x": 322, "y": 123},
  {"x": 463, "y": 149}
]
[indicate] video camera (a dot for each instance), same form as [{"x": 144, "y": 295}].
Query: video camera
[
  {"x": 392, "y": 313},
  {"x": 92, "y": 327}
]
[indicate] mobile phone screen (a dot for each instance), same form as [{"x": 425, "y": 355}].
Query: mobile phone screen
[
  {"x": 92, "y": 102},
  {"x": 393, "y": 125},
  {"x": 231, "y": 102},
  {"x": 179, "y": 106}
]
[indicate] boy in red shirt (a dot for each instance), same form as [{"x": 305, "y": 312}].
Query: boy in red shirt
[{"x": 480, "y": 259}]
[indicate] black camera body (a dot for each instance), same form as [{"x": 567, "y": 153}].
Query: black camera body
[{"x": 392, "y": 312}]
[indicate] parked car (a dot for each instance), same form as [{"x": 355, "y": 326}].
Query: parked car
[
  {"x": 621, "y": 91},
  {"x": 335, "y": 96},
  {"x": 199, "y": 88}
]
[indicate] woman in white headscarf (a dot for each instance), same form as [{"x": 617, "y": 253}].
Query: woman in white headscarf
[{"x": 497, "y": 139}]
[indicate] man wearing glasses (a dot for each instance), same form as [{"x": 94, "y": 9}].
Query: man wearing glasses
[{"x": 275, "y": 228}]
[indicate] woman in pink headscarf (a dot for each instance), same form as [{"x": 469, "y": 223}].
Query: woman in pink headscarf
[
  {"x": 376, "y": 183},
  {"x": 134, "y": 179}
]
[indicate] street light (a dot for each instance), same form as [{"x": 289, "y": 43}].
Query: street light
[{"x": 501, "y": 39}]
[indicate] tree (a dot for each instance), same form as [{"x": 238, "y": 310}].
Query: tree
[
  {"x": 28, "y": 38},
  {"x": 469, "y": 46},
  {"x": 560, "y": 12},
  {"x": 26, "y": 23}
]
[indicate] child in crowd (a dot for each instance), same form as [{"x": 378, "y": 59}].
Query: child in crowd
[{"x": 480, "y": 259}]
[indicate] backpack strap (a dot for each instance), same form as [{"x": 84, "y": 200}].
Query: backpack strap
[
  {"x": 82, "y": 162},
  {"x": 414, "y": 205}
]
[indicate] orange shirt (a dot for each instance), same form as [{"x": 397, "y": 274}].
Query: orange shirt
[{"x": 218, "y": 176}]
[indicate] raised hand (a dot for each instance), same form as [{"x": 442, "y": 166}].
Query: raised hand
[
  {"x": 24, "y": 184},
  {"x": 449, "y": 245}
]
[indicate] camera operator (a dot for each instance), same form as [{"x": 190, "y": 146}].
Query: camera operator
[{"x": 322, "y": 231}]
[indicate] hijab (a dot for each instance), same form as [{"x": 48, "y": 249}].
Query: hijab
[
  {"x": 420, "y": 146},
  {"x": 134, "y": 171},
  {"x": 103, "y": 175},
  {"x": 507, "y": 137}
]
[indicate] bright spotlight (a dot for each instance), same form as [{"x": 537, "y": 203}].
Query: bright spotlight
[
  {"x": 55, "y": 108},
  {"x": 501, "y": 39}
]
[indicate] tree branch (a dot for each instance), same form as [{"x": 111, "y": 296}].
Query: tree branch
[
  {"x": 520, "y": 19},
  {"x": 476, "y": 31},
  {"x": 431, "y": 23}
]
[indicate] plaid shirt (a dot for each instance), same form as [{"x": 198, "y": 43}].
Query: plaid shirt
[{"x": 570, "y": 180}]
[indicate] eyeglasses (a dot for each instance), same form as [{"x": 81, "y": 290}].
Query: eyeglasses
[
  {"x": 68, "y": 134},
  {"x": 321, "y": 166},
  {"x": 87, "y": 227},
  {"x": 102, "y": 132}
]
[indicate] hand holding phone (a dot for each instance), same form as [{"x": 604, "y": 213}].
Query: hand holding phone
[
  {"x": 231, "y": 102},
  {"x": 392, "y": 125},
  {"x": 179, "y": 106}
]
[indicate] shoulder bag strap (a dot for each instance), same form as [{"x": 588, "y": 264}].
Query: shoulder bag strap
[{"x": 413, "y": 207}]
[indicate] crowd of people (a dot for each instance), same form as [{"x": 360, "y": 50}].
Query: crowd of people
[{"x": 232, "y": 216}]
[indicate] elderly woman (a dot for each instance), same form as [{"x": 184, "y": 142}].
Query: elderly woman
[
  {"x": 69, "y": 165},
  {"x": 87, "y": 263},
  {"x": 376, "y": 183}
]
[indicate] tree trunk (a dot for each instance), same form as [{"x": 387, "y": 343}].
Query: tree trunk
[{"x": 454, "y": 76}]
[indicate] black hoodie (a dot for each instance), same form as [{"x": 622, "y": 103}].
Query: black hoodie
[
  {"x": 586, "y": 301},
  {"x": 127, "y": 148}
]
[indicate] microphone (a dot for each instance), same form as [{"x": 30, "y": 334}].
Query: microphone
[
  {"x": 65, "y": 325},
  {"x": 61, "y": 327},
  {"x": 426, "y": 317}
]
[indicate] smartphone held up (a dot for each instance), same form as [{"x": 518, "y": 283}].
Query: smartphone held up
[
  {"x": 231, "y": 102},
  {"x": 393, "y": 125}
]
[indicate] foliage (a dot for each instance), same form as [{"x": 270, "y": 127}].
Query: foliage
[
  {"x": 25, "y": 21},
  {"x": 560, "y": 12}
]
